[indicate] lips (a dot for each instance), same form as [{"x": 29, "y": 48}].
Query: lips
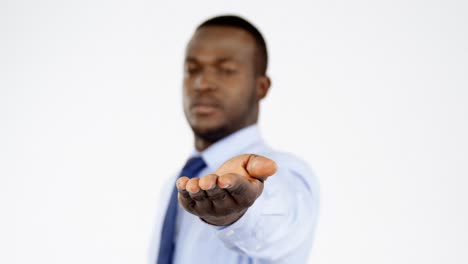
[{"x": 205, "y": 106}]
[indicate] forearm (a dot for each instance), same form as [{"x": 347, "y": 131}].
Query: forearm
[{"x": 278, "y": 222}]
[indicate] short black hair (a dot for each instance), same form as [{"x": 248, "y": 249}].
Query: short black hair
[{"x": 261, "y": 60}]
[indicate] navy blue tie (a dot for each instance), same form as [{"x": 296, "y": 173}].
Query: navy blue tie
[{"x": 166, "y": 247}]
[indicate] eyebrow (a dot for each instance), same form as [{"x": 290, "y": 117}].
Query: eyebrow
[{"x": 218, "y": 60}]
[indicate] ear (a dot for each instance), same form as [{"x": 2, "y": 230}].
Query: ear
[{"x": 263, "y": 85}]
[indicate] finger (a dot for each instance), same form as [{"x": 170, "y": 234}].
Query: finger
[
  {"x": 217, "y": 193},
  {"x": 203, "y": 205},
  {"x": 194, "y": 190},
  {"x": 198, "y": 195},
  {"x": 243, "y": 190},
  {"x": 208, "y": 182},
  {"x": 181, "y": 184},
  {"x": 192, "y": 185},
  {"x": 260, "y": 167},
  {"x": 249, "y": 165},
  {"x": 223, "y": 203},
  {"x": 188, "y": 202},
  {"x": 184, "y": 199},
  {"x": 228, "y": 180}
]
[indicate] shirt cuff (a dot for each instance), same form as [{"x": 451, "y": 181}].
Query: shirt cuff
[{"x": 242, "y": 235}]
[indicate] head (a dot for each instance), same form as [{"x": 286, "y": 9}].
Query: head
[{"x": 224, "y": 77}]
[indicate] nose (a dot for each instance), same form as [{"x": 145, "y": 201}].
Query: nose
[{"x": 205, "y": 81}]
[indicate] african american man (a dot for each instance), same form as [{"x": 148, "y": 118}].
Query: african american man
[{"x": 236, "y": 200}]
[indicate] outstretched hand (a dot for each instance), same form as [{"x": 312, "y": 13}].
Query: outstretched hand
[{"x": 223, "y": 197}]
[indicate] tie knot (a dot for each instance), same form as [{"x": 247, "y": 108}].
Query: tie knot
[{"x": 193, "y": 166}]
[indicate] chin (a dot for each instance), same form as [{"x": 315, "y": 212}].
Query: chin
[{"x": 210, "y": 134}]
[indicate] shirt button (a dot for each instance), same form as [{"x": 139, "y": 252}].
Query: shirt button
[{"x": 230, "y": 233}]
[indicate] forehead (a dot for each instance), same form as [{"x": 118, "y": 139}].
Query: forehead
[{"x": 214, "y": 42}]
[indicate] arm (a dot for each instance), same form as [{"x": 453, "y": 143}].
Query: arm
[
  {"x": 279, "y": 222},
  {"x": 223, "y": 197}
]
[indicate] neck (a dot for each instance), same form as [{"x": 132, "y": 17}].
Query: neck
[{"x": 202, "y": 143}]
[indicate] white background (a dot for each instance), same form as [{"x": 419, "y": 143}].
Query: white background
[{"x": 373, "y": 94}]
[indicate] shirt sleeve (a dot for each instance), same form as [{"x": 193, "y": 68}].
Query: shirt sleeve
[{"x": 281, "y": 220}]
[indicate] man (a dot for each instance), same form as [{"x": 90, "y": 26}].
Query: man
[{"x": 239, "y": 201}]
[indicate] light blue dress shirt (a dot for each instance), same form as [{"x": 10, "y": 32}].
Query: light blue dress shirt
[{"x": 278, "y": 228}]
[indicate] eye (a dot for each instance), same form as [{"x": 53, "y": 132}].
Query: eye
[
  {"x": 192, "y": 69},
  {"x": 227, "y": 71}
]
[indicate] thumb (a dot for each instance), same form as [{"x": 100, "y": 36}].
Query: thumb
[
  {"x": 260, "y": 167},
  {"x": 251, "y": 165}
]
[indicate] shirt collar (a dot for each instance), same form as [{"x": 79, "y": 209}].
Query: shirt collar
[{"x": 230, "y": 146}]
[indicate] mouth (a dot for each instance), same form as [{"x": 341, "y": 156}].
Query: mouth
[{"x": 205, "y": 108}]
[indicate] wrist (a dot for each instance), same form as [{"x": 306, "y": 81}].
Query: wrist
[{"x": 223, "y": 220}]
